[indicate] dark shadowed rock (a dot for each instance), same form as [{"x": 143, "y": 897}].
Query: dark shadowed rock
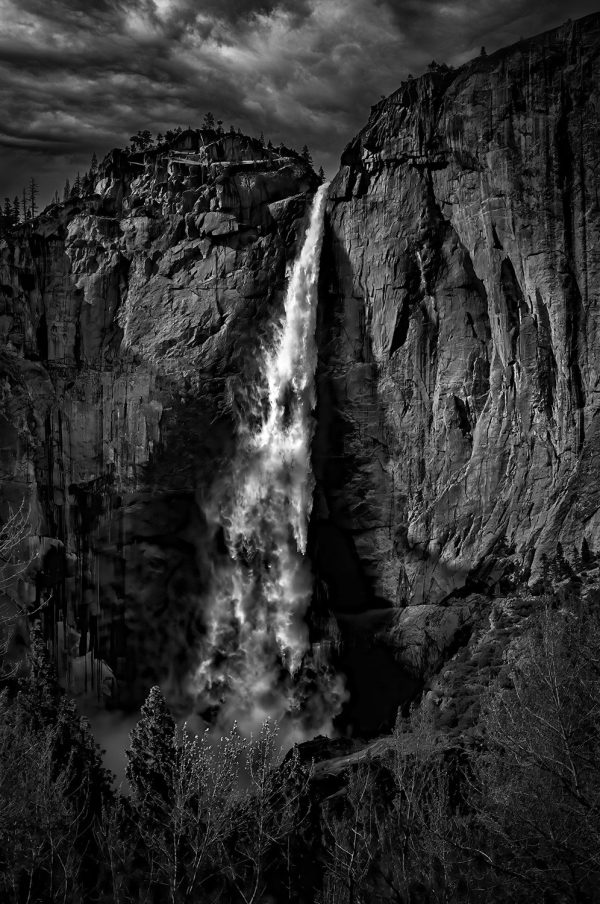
[
  {"x": 458, "y": 433},
  {"x": 131, "y": 318}
]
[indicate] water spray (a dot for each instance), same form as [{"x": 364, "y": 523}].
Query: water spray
[{"x": 254, "y": 657}]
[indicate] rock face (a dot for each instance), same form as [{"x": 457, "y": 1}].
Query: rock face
[
  {"x": 131, "y": 319},
  {"x": 458, "y": 439},
  {"x": 457, "y": 443}
]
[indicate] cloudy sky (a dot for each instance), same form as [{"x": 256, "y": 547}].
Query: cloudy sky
[{"x": 78, "y": 76}]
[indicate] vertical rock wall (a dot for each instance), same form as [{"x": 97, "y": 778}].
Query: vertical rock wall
[
  {"x": 459, "y": 431},
  {"x": 131, "y": 320}
]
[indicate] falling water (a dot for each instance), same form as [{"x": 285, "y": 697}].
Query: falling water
[{"x": 255, "y": 661}]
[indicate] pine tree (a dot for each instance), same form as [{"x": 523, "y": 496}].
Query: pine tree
[
  {"x": 33, "y": 191},
  {"x": 26, "y": 212},
  {"x": 94, "y": 163},
  {"x": 77, "y": 186},
  {"x": 67, "y": 191},
  {"x": 16, "y": 208},
  {"x": 75, "y": 747},
  {"x": 209, "y": 121},
  {"x": 8, "y": 219},
  {"x": 152, "y": 757},
  {"x": 80, "y": 784},
  {"x": 305, "y": 154},
  {"x": 321, "y": 174},
  {"x": 145, "y": 138},
  {"x": 43, "y": 704},
  {"x": 39, "y": 693}
]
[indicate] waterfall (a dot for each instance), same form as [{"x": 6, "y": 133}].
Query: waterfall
[{"x": 254, "y": 662}]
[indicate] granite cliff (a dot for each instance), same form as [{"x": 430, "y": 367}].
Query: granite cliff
[
  {"x": 457, "y": 436},
  {"x": 131, "y": 319},
  {"x": 458, "y": 443}
]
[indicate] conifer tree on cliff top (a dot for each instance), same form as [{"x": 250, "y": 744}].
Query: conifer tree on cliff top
[{"x": 32, "y": 193}]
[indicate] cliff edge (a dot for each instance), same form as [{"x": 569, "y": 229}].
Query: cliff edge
[{"x": 458, "y": 446}]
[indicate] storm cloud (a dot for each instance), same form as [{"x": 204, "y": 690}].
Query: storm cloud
[{"x": 77, "y": 77}]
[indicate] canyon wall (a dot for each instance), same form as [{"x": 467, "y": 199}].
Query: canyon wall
[
  {"x": 131, "y": 319},
  {"x": 458, "y": 444}
]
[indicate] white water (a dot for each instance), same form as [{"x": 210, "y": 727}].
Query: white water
[{"x": 254, "y": 663}]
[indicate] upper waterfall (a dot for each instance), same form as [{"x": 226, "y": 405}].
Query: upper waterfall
[{"x": 257, "y": 637}]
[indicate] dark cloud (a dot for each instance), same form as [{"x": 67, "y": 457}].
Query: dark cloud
[{"x": 77, "y": 76}]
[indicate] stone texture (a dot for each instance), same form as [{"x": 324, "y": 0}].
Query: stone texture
[
  {"x": 458, "y": 436},
  {"x": 130, "y": 320},
  {"x": 457, "y": 430}
]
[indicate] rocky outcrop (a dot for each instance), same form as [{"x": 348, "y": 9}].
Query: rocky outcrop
[
  {"x": 458, "y": 440},
  {"x": 131, "y": 317}
]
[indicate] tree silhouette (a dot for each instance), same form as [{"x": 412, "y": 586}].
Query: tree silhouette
[
  {"x": 141, "y": 140},
  {"x": 8, "y": 217},
  {"x": 152, "y": 757},
  {"x": 39, "y": 694},
  {"x": 33, "y": 192}
]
